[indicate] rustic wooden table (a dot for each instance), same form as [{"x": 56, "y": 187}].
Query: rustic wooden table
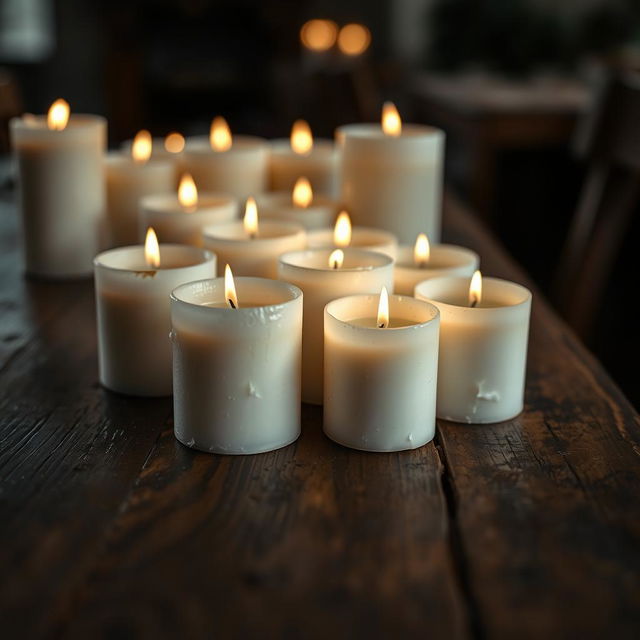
[{"x": 110, "y": 528}]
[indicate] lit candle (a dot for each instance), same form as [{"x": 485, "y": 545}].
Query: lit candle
[
  {"x": 424, "y": 260},
  {"x": 132, "y": 299},
  {"x": 301, "y": 155},
  {"x": 168, "y": 148},
  {"x": 380, "y": 372},
  {"x": 181, "y": 218},
  {"x": 483, "y": 346},
  {"x": 344, "y": 234},
  {"x": 129, "y": 179},
  {"x": 301, "y": 205},
  {"x": 252, "y": 247},
  {"x": 62, "y": 196},
  {"x": 392, "y": 175},
  {"x": 223, "y": 163},
  {"x": 324, "y": 275},
  {"x": 236, "y": 349}
]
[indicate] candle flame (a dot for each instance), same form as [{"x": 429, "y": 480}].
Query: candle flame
[
  {"x": 383, "y": 309},
  {"x": 220, "y": 134},
  {"x": 342, "y": 230},
  {"x": 354, "y": 39},
  {"x": 302, "y": 193},
  {"x": 174, "y": 142},
  {"x": 250, "y": 220},
  {"x": 141, "y": 147},
  {"x": 58, "y": 115},
  {"x": 319, "y": 35},
  {"x": 336, "y": 259},
  {"x": 301, "y": 137},
  {"x": 152, "y": 249},
  {"x": 188, "y": 193},
  {"x": 391, "y": 123},
  {"x": 230, "y": 295},
  {"x": 475, "y": 289},
  {"x": 421, "y": 250}
]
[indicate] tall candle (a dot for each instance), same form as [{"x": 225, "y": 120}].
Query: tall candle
[{"x": 61, "y": 189}]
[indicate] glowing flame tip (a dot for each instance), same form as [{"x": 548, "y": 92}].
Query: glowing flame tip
[
  {"x": 58, "y": 115},
  {"x": 475, "y": 289},
  {"x": 230, "y": 295},
  {"x": 342, "y": 230},
  {"x": 152, "y": 249},
  {"x": 383, "y": 309},
  {"x": 391, "y": 122}
]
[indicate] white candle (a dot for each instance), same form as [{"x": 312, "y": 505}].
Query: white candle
[
  {"x": 344, "y": 235},
  {"x": 236, "y": 165},
  {"x": 423, "y": 261},
  {"x": 483, "y": 348},
  {"x": 180, "y": 219},
  {"x": 170, "y": 148},
  {"x": 301, "y": 205},
  {"x": 253, "y": 247},
  {"x": 129, "y": 179},
  {"x": 133, "y": 311},
  {"x": 325, "y": 275},
  {"x": 301, "y": 155},
  {"x": 62, "y": 196},
  {"x": 392, "y": 177},
  {"x": 380, "y": 372},
  {"x": 237, "y": 370}
]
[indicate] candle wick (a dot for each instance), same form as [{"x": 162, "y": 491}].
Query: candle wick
[
  {"x": 252, "y": 236},
  {"x": 335, "y": 264},
  {"x": 231, "y": 303},
  {"x": 474, "y": 302},
  {"x": 382, "y": 326}
]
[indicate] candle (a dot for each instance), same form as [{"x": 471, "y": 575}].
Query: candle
[
  {"x": 180, "y": 219},
  {"x": 344, "y": 235},
  {"x": 301, "y": 206},
  {"x": 168, "y": 148},
  {"x": 236, "y": 364},
  {"x": 62, "y": 197},
  {"x": 483, "y": 346},
  {"x": 236, "y": 165},
  {"x": 301, "y": 155},
  {"x": 380, "y": 372},
  {"x": 392, "y": 176},
  {"x": 324, "y": 275},
  {"x": 423, "y": 261},
  {"x": 253, "y": 247},
  {"x": 129, "y": 179},
  {"x": 133, "y": 285}
]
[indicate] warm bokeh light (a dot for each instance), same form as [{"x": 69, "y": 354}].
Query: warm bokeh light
[
  {"x": 58, "y": 115},
  {"x": 342, "y": 230},
  {"x": 230, "y": 295},
  {"x": 354, "y": 39},
  {"x": 475, "y": 289},
  {"x": 142, "y": 147},
  {"x": 391, "y": 123},
  {"x": 421, "y": 250},
  {"x": 220, "y": 134},
  {"x": 301, "y": 137},
  {"x": 302, "y": 193},
  {"x": 336, "y": 259},
  {"x": 187, "y": 193},
  {"x": 151, "y": 249},
  {"x": 174, "y": 142},
  {"x": 250, "y": 220},
  {"x": 319, "y": 35},
  {"x": 383, "y": 309}
]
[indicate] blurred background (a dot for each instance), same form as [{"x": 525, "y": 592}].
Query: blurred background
[{"x": 539, "y": 100}]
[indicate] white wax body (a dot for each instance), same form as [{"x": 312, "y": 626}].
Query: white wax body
[
  {"x": 61, "y": 193},
  {"x": 134, "y": 317},
  {"x": 241, "y": 171},
  {"x": 173, "y": 224},
  {"x": 380, "y": 384},
  {"x": 393, "y": 183},
  {"x": 483, "y": 350},
  {"x": 361, "y": 238},
  {"x": 445, "y": 260},
  {"x": 127, "y": 183},
  {"x": 237, "y": 371},
  {"x": 278, "y": 205},
  {"x": 321, "y": 166},
  {"x": 362, "y": 272},
  {"x": 257, "y": 257}
]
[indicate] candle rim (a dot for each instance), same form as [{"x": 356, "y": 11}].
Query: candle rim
[
  {"x": 283, "y": 199},
  {"x": 242, "y": 143},
  {"x": 204, "y": 254},
  {"x": 386, "y": 260},
  {"x": 207, "y": 201},
  {"x": 291, "y": 230},
  {"x": 118, "y": 158},
  {"x": 411, "y": 132},
  {"x": 470, "y": 254},
  {"x": 321, "y": 147}
]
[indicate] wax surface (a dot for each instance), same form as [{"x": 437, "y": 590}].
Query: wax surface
[{"x": 372, "y": 323}]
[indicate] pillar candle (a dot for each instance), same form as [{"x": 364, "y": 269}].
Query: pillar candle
[
  {"x": 169, "y": 148},
  {"x": 483, "y": 349},
  {"x": 61, "y": 190},
  {"x": 360, "y": 272},
  {"x": 133, "y": 313},
  {"x": 236, "y": 370},
  {"x": 380, "y": 372}
]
